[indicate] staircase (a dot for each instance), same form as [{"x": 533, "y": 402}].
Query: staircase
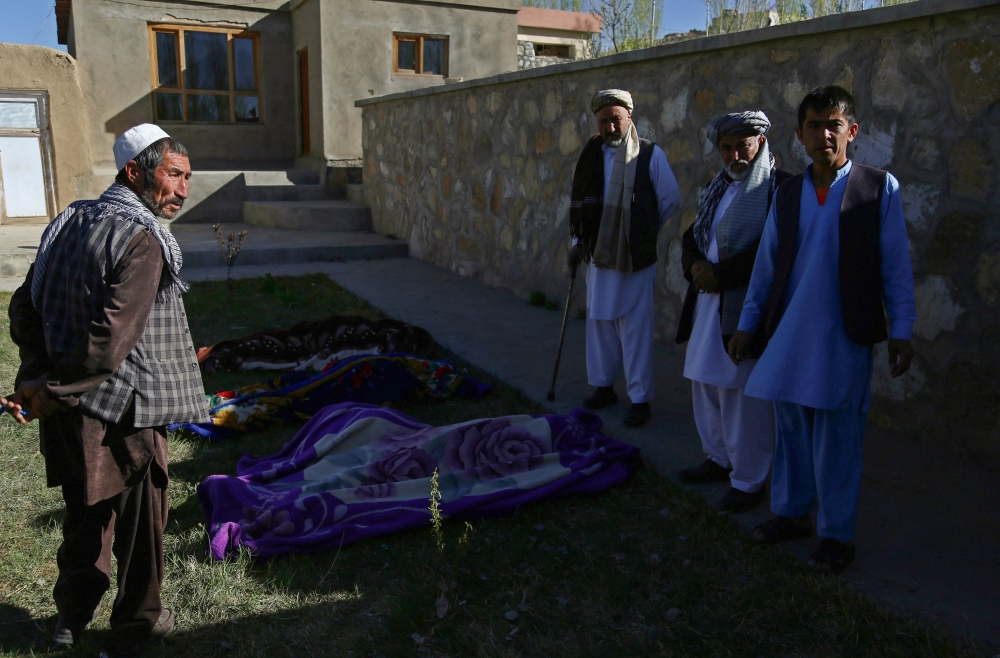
[{"x": 289, "y": 215}]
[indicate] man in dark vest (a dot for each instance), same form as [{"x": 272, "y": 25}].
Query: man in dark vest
[
  {"x": 623, "y": 192},
  {"x": 107, "y": 363},
  {"x": 737, "y": 431},
  {"x": 834, "y": 249}
]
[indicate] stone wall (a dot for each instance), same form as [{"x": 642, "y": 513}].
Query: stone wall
[
  {"x": 527, "y": 59},
  {"x": 476, "y": 177}
]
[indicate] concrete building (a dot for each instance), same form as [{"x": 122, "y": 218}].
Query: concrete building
[
  {"x": 551, "y": 36},
  {"x": 259, "y": 90}
]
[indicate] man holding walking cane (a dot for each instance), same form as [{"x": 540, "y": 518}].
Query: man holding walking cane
[{"x": 623, "y": 192}]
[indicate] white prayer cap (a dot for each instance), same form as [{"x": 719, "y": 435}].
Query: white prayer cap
[{"x": 134, "y": 141}]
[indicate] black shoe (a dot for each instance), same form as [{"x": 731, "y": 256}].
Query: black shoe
[
  {"x": 604, "y": 396},
  {"x": 736, "y": 501},
  {"x": 66, "y": 632},
  {"x": 781, "y": 529},
  {"x": 831, "y": 556},
  {"x": 705, "y": 472},
  {"x": 637, "y": 415}
]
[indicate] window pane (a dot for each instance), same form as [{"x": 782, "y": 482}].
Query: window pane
[
  {"x": 434, "y": 56},
  {"x": 18, "y": 114},
  {"x": 246, "y": 108},
  {"x": 207, "y": 60},
  {"x": 203, "y": 107},
  {"x": 407, "y": 55},
  {"x": 166, "y": 58},
  {"x": 243, "y": 62},
  {"x": 168, "y": 107}
]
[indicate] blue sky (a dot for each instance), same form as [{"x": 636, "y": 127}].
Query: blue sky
[{"x": 24, "y": 21}]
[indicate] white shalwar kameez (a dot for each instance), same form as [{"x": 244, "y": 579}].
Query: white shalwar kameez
[
  {"x": 620, "y": 313},
  {"x": 736, "y": 431}
]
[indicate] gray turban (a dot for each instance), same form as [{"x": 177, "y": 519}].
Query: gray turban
[
  {"x": 737, "y": 123},
  {"x": 607, "y": 97}
]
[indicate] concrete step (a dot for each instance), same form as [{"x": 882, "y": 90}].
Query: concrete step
[
  {"x": 327, "y": 215},
  {"x": 281, "y": 177},
  {"x": 18, "y": 245},
  {"x": 265, "y": 246},
  {"x": 356, "y": 194},
  {"x": 292, "y": 193},
  {"x": 218, "y": 195}
]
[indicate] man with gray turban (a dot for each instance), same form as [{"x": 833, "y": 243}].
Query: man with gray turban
[
  {"x": 106, "y": 364},
  {"x": 737, "y": 432},
  {"x": 623, "y": 192}
]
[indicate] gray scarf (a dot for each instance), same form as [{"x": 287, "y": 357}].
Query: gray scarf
[
  {"x": 740, "y": 227},
  {"x": 125, "y": 205},
  {"x": 612, "y": 249}
]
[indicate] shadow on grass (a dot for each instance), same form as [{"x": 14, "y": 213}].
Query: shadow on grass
[{"x": 50, "y": 519}]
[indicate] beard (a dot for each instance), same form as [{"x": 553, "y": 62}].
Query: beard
[
  {"x": 741, "y": 173},
  {"x": 614, "y": 140},
  {"x": 156, "y": 207}
]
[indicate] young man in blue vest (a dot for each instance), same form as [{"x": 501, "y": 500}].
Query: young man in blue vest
[
  {"x": 623, "y": 193},
  {"x": 834, "y": 248}
]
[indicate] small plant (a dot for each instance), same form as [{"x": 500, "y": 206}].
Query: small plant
[
  {"x": 269, "y": 284},
  {"x": 581, "y": 314},
  {"x": 536, "y": 298},
  {"x": 447, "y": 568},
  {"x": 230, "y": 247},
  {"x": 286, "y": 295},
  {"x": 551, "y": 304}
]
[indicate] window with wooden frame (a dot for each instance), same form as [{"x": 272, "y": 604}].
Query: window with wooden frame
[
  {"x": 205, "y": 75},
  {"x": 420, "y": 54}
]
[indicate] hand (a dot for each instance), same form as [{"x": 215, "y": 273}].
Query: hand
[
  {"x": 573, "y": 259},
  {"x": 703, "y": 276},
  {"x": 739, "y": 346},
  {"x": 36, "y": 398},
  {"x": 900, "y": 356},
  {"x": 14, "y": 408}
]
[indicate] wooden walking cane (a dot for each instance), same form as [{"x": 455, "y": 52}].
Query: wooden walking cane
[{"x": 562, "y": 336}]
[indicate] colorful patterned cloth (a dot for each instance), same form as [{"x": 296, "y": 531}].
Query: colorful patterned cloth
[
  {"x": 314, "y": 344},
  {"x": 374, "y": 379},
  {"x": 357, "y": 471}
]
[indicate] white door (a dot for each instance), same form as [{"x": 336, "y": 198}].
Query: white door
[{"x": 22, "y": 174}]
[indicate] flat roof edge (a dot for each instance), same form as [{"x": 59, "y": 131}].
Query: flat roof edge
[{"x": 833, "y": 23}]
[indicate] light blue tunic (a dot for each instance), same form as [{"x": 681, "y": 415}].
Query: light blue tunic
[{"x": 810, "y": 360}]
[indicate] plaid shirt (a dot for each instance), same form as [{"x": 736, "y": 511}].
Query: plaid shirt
[{"x": 161, "y": 372}]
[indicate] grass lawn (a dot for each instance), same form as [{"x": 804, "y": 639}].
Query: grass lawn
[{"x": 643, "y": 570}]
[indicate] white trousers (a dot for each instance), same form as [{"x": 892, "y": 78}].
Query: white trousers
[
  {"x": 628, "y": 340},
  {"x": 737, "y": 431}
]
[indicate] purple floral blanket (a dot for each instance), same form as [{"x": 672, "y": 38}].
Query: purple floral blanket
[{"x": 357, "y": 471}]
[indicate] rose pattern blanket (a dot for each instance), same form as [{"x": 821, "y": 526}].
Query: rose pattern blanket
[
  {"x": 357, "y": 471},
  {"x": 296, "y": 396}
]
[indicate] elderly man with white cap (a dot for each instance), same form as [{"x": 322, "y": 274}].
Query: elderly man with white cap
[
  {"x": 737, "y": 432},
  {"x": 107, "y": 363},
  {"x": 623, "y": 193}
]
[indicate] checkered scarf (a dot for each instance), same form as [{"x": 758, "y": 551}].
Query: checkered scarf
[{"x": 125, "y": 205}]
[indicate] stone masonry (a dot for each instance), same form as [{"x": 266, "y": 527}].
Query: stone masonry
[
  {"x": 527, "y": 59},
  {"x": 476, "y": 176}
]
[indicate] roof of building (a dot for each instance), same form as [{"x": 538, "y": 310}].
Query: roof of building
[
  {"x": 62, "y": 19},
  {"x": 556, "y": 19}
]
